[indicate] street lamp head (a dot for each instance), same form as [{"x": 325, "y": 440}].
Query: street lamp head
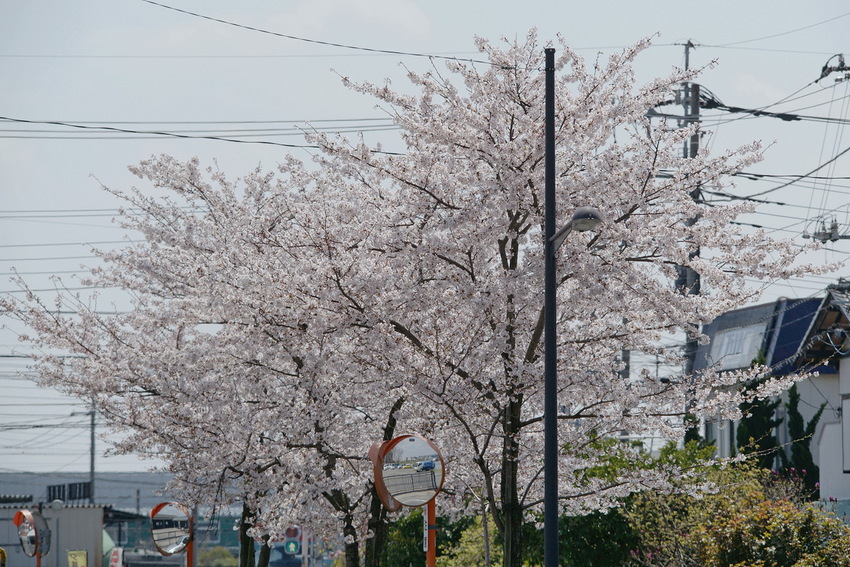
[{"x": 586, "y": 218}]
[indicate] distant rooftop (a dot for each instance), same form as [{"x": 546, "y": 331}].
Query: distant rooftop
[{"x": 132, "y": 492}]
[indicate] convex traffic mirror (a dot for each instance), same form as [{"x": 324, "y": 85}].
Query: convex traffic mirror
[
  {"x": 171, "y": 527},
  {"x": 409, "y": 470},
  {"x": 32, "y": 532}
]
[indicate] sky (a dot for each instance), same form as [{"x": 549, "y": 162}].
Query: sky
[{"x": 85, "y": 84}]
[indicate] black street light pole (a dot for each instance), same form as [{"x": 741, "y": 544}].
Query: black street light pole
[
  {"x": 550, "y": 388},
  {"x": 584, "y": 218}
]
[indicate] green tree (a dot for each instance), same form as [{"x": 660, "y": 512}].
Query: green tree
[
  {"x": 599, "y": 539},
  {"x": 647, "y": 520},
  {"x": 756, "y": 434},
  {"x": 469, "y": 550},
  {"x": 692, "y": 433},
  {"x": 774, "y": 533},
  {"x": 802, "y": 463},
  {"x": 404, "y": 539}
]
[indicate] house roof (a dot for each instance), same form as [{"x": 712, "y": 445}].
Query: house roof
[
  {"x": 15, "y": 498},
  {"x": 826, "y": 339},
  {"x": 787, "y": 335},
  {"x": 130, "y": 491},
  {"x": 773, "y": 333}
]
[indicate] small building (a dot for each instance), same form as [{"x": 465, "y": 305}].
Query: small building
[
  {"x": 76, "y": 530},
  {"x": 115, "y": 515}
]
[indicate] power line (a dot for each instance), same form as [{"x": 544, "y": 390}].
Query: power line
[
  {"x": 209, "y": 122},
  {"x": 52, "y": 244},
  {"x": 786, "y": 116},
  {"x": 769, "y": 50},
  {"x": 159, "y": 133},
  {"x": 229, "y": 133},
  {"x": 779, "y": 34},
  {"x": 316, "y": 41},
  {"x": 155, "y": 132},
  {"x": 818, "y": 168},
  {"x": 50, "y": 258},
  {"x": 223, "y": 56}
]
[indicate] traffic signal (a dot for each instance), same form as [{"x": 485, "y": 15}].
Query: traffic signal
[
  {"x": 291, "y": 546},
  {"x": 292, "y": 540}
]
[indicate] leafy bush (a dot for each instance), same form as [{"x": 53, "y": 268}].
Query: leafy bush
[
  {"x": 217, "y": 557},
  {"x": 774, "y": 533},
  {"x": 756, "y": 518}
]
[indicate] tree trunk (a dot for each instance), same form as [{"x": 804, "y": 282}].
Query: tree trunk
[
  {"x": 378, "y": 522},
  {"x": 246, "y": 542},
  {"x": 379, "y": 526},
  {"x": 511, "y": 506},
  {"x": 485, "y": 528},
  {"x": 265, "y": 553},
  {"x": 352, "y": 547}
]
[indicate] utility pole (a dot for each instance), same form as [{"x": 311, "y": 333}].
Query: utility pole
[
  {"x": 91, "y": 459},
  {"x": 688, "y": 280},
  {"x": 91, "y": 413},
  {"x": 831, "y": 232}
]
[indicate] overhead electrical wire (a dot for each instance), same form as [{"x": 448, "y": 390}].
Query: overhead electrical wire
[
  {"x": 826, "y": 188},
  {"x": 805, "y": 175},
  {"x": 167, "y": 134},
  {"x": 762, "y": 38},
  {"x": 154, "y": 133},
  {"x": 229, "y": 132},
  {"x": 709, "y": 101},
  {"x": 316, "y": 41},
  {"x": 786, "y": 116},
  {"x": 223, "y": 56},
  {"x": 710, "y": 98}
]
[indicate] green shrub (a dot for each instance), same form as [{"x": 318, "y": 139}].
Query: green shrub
[{"x": 217, "y": 557}]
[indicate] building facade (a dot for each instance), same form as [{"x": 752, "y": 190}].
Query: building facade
[{"x": 809, "y": 335}]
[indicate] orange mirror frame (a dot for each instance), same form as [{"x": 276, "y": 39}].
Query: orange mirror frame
[{"x": 409, "y": 471}]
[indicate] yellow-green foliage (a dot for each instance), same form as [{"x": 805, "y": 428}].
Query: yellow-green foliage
[
  {"x": 774, "y": 532},
  {"x": 217, "y": 557},
  {"x": 755, "y": 519},
  {"x": 469, "y": 551}
]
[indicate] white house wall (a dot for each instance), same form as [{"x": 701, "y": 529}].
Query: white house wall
[
  {"x": 834, "y": 483},
  {"x": 813, "y": 392},
  {"x": 844, "y": 377},
  {"x": 832, "y": 445}
]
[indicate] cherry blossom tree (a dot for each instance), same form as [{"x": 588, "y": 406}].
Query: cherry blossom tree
[{"x": 283, "y": 322}]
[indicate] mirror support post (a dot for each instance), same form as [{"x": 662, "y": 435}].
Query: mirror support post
[
  {"x": 431, "y": 554},
  {"x": 190, "y": 552}
]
